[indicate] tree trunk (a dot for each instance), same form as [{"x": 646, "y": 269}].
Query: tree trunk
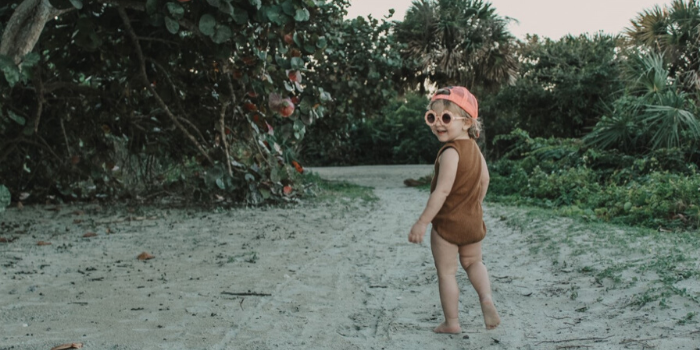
[{"x": 25, "y": 26}]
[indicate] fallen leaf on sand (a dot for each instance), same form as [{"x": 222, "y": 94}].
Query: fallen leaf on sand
[
  {"x": 43, "y": 243},
  {"x": 68, "y": 346},
  {"x": 6, "y": 240},
  {"x": 145, "y": 256},
  {"x": 20, "y": 205},
  {"x": 90, "y": 234},
  {"x": 78, "y": 212}
]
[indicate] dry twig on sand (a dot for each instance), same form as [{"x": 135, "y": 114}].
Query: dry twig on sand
[
  {"x": 248, "y": 294},
  {"x": 577, "y": 339}
]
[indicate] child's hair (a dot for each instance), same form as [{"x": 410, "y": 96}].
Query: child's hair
[{"x": 474, "y": 131}]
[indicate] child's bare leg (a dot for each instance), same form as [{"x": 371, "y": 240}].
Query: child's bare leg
[
  {"x": 445, "y": 254},
  {"x": 470, "y": 257}
]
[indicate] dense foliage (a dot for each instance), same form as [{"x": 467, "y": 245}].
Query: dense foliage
[
  {"x": 561, "y": 89},
  {"x": 225, "y": 99},
  {"x": 658, "y": 190},
  {"x": 363, "y": 72},
  {"x": 122, "y": 98}
]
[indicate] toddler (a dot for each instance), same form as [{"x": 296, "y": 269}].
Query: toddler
[{"x": 454, "y": 208}]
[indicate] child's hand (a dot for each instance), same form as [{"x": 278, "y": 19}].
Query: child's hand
[{"x": 417, "y": 232}]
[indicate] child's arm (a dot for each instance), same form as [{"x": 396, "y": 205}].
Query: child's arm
[
  {"x": 485, "y": 179},
  {"x": 448, "y": 171}
]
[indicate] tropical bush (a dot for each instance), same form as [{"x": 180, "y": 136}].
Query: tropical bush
[
  {"x": 400, "y": 137},
  {"x": 653, "y": 113},
  {"x": 658, "y": 190},
  {"x": 4, "y": 198},
  {"x": 114, "y": 99}
]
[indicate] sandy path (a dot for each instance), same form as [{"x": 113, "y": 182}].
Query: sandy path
[{"x": 340, "y": 276}]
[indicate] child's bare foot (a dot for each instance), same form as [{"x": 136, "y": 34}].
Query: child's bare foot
[
  {"x": 491, "y": 318},
  {"x": 448, "y": 327}
]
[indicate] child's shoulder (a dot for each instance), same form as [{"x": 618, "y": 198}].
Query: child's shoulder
[{"x": 449, "y": 154}]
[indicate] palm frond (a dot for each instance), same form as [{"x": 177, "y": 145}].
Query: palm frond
[
  {"x": 670, "y": 119},
  {"x": 646, "y": 73}
]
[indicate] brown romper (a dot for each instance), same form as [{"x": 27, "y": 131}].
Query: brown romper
[{"x": 460, "y": 220}]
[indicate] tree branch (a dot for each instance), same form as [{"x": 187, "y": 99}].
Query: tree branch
[
  {"x": 175, "y": 94},
  {"x": 141, "y": 38},
  {"x": 25, "y": 26},
  {"x": 40, "y": 95},
  {"x": 147, "y": 83},
  {"x": 222, "y": 130},
  {"x": 51, "y": 87}
]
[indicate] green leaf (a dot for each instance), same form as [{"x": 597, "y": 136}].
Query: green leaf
[
  {"x": 325, "y": 96},
  {"x": 215, "y": 3},
  {"x": 172, "y": 25},
  {"x": 309, "y": 48},
  {"x": 176, "y": 10},
  {"x": 4, "y": 198},
  {"x": 17, "y": 118},
  {"x": 220, "y": 183},
  {"x": 240, "y": 16},
  {"x": 207, "y": 24},
  {"x": 297, "y": 63},
  {"x": 12, "y": 73},
  {"x": 275, "y": 175},
  {"x": 30, "y": 60},
  {"x": 226, "y": 8},
  {"x": 299, "y": 129},
  {"x": 77, "y": 4},
  {"x": 321, "y": 43},
  {"x": 274, "y": 14},
  {"x": 288, "y": 7},
  {"x": 302, "y": 15},
  {"x": 151, "y": 6},
  {"x": 223, "y": 34},
  {"x": 298, "y": 39},
  {"x": 256, "y": 3}
]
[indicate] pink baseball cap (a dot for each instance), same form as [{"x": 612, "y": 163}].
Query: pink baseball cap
[{"x": 461, "y": 97}]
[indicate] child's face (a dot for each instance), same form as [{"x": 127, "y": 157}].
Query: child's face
[{"x": 455, "y": 130}]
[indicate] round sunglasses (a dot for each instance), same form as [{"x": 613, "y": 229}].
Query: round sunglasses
[{"x": 446, "y": 118}]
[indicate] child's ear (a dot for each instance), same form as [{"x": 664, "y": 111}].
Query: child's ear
[{"x": 468, "y": 124}]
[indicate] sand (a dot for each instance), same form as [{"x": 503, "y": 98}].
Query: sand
[{"x": 332, "y": 275}]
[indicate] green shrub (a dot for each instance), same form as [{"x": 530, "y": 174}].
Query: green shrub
[
  {"x": 659, "y": 190},
  {"x": 397, "y": 135},
  {"x": 4, "y": 198}
]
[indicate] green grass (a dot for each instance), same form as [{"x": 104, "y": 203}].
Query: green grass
[
  {"x": 324, "y": 190},
  {"x": 615, "y": 256}
]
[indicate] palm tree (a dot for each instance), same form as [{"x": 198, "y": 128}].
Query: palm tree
[
  {"x": 673, "y": 31},
  {"x": 654, "y": 113},
  {"x": 456, "y": 42}
]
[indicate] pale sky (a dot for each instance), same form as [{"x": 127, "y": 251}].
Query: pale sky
[{"x": 549, "y": 18}]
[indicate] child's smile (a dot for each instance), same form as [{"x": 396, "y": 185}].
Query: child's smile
[{"x": 455, "y": 130}]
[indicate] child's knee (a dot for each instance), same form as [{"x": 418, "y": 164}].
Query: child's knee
[
  {"x": 447, "y": 271},
  {"x": 468, "y": 261}
]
